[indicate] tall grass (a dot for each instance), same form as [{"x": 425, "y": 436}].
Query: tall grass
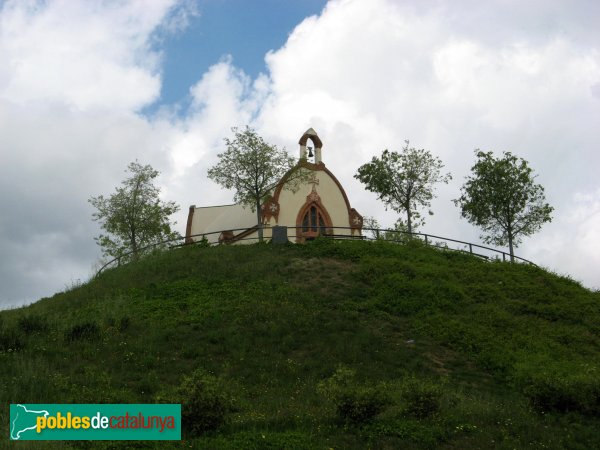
[{"x": 470, "y": 354}]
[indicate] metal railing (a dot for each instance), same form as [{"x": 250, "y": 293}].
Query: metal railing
[
  {"x": 379, "y": 234},
  {"x": 468, "y": 245}
]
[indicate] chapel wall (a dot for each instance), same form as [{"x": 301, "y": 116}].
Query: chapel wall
[{"x": 331, "y": 198}]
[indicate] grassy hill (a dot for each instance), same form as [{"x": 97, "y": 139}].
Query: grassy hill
[{"x": 328, "y": 345}]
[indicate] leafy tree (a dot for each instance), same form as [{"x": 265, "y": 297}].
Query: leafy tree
[
  {"x": 133, "y": 217},
  {"x": 254, "y": 169},
  {"x": 501, "y": 197},
  {"x": 371, "y": 226},
  {"x": 404, "y": 181},
  {"x": 397, "y": 233},
  {"x": 373, "y": 229}
]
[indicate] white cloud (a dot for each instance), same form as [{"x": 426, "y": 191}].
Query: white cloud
[
  {"x": 570, "y": 245},
  {"x": 72, "y": 76},
  {"x": 83, "y": 54}
]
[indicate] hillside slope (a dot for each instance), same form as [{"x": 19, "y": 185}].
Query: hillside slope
[{"x": 450, "y": 350}]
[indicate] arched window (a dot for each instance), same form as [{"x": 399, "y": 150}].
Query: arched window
[{"x": 314, "y": 221}]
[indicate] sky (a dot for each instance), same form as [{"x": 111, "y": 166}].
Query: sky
[{"x": 87, "y": 87}]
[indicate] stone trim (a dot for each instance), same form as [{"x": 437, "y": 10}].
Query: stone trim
[
  {"x": 312, "y": 199},
  {"x": 242, "y": 235},
  {"x": 316, "y": 167},
  {"x": 226, "y": 237},
  {"x": 313, "y": 137},
  {"x": 270, "y": 209},
  {"x": 356, "y": 221},
  {"x": 188, "y": 228}
]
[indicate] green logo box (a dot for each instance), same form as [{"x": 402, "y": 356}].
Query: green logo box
[{"x": 106, "y": 422}]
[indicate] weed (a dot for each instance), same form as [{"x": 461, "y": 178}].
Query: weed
[
  {"x": 355, "y": 404},
  {"x": 10, "y": 341},
  {"x": 205, "y": 403},
  {"x": 124, "y": 323},
  {"x": 33, "y": 323},
  {"x": 86, "y": 331},
  {"x": 421, "y": 398}
]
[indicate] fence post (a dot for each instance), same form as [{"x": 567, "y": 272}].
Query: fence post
[
  {"x": 503, "y": 256},
  {"x": 426, "y": 243},
  {"x": 470, "y": 248}
]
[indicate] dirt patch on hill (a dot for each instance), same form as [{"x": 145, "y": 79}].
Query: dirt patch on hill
[{"x": 319, "y": 274}]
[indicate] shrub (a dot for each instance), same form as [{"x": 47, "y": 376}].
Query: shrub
[
  {"x": 355, "y": 404},
  {"x": 361, "y": 405},
  {"x": 86, "y": 331},
  {"x": 10, "y": 341},
  {"x": 32, "y": 323},
  {"x": 205, "y": 403},
  {"x": 549, "y": 392},
  {"x": 421, "y": 398},
  {"x": 552, "y": 384},
  {"x": 124, "y": 323},
  {"x": 203, "y": 242}
]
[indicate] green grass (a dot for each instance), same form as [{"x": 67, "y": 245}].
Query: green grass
[{"x": 511, "y": 352}]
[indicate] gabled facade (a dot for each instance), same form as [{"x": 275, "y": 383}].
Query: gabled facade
[{"x": 319, "y": 207}]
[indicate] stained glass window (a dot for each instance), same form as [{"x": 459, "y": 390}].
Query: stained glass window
[{"x": 313, "y": 221}]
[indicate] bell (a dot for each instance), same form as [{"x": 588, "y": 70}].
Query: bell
[{"x": 310, "y": 153}]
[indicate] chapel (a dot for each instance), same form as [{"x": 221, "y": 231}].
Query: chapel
[{"x": 319, "y": 207}]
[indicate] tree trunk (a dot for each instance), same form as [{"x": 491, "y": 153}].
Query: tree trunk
[
  {"x": 510, "y": 247},
  {"x": 134, "y": 246},
  {"x": 133, "y": 223},
  {"x": 259, "y": 221},
  {"x": 409, "y": 222}
]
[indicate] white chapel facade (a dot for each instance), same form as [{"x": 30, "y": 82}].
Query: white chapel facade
[{"x": 319, "y": 207}]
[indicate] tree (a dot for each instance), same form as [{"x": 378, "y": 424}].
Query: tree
[
  {"x": 371, "y": 226},
  {"x": 404, "y": 181},
  {"x": 254, "y": 169},
  {"x": 134, "y": 217},
  {"x": 398, "y": 233},
  {"x": 501, "y": 197}
]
